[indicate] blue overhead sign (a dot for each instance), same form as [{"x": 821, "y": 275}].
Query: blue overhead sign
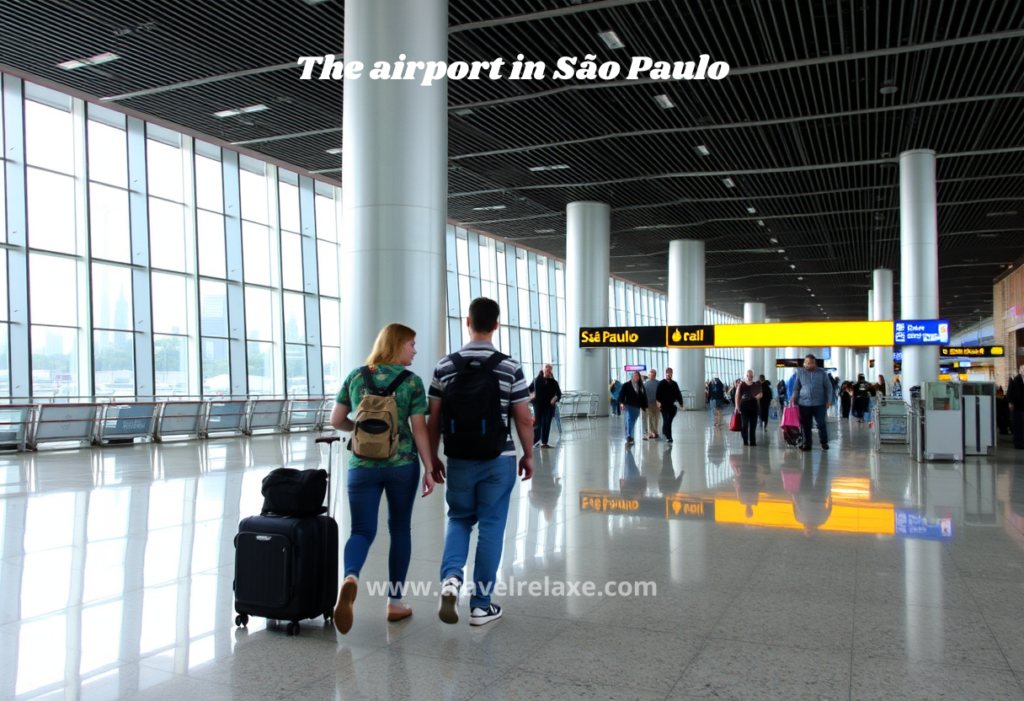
[
  {"x": 930, "y": 332},
  {"x": 897, "y": 356}
]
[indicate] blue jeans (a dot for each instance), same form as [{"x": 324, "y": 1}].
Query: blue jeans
[
  {"x": 632, "y": 414},
  {"x": 817, "y": 413},
  {"x": 365, "y": 484},
  {"x": 478, "y": 493}
]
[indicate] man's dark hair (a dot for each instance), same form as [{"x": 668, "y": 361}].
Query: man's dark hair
[
  {"x": 483, "y": 315},
  {"x": 811, "y": 356}
]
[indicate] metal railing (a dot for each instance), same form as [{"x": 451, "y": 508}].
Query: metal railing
[{"x": 28, "y": 422}]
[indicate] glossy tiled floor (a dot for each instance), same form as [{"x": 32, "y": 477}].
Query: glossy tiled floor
[{"x": 117, "y": 571}]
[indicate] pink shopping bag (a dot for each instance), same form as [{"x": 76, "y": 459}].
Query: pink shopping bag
[{"x": 791, "y": 417}]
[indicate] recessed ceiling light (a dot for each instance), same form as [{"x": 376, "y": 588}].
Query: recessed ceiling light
[
  {"x": 792, "y": 266},
  {"x": 464, "y": 111},
  {"x": 655, "y": 226},
  {"x": 728, "y": 182},
  {"x": 537, "y": 169},
  {"x": 1000, "y": 214},
  {"x": 611, "y": 40},
  {"x": 751, "y": 210},
  {"x": 812, "y": 294},
  {"x": 487, "y": 209},
  {"x": 773, "y": 239},
  {"x": 91, "y": 61},
  {"x": 543, "y": 231},
  {"x": 702, "y": 150},
  {"x": 240, "y": 110},
  {"x": 782, "y": 250},
  {"x": 888, "y": 89},
  {"x": 333, "y": 151},
  {"x": 760, "y": 222},
  {"x": 664, "y": 101},
  {"x": 799, "y": 278},
  {"x": 987, "y": 236}
]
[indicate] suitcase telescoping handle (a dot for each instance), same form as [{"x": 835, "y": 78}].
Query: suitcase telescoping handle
[{"x": 330, "y": 441}]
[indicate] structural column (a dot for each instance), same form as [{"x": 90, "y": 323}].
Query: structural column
[
  {"x": 882, "y": 309},
  {"x": 839, "y": 359},
  {"x": 919, "y": 260},
  {"x": 587, "y": 246},
  {"x": 395, "y": 181},
  {"x": 753, "y": 358},
  {"x": 770, "y": 354},
  {"x": 686, "y": 308}
]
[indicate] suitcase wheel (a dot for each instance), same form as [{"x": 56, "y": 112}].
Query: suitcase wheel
[
  {"x": 293, "y": 628},
  {"x": 242, "y": 620}
]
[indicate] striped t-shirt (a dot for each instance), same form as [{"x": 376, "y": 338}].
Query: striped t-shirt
[{"x": 511, "y": 381}]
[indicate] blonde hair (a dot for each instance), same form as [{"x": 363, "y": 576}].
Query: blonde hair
[{"x": 387, "y": 349}]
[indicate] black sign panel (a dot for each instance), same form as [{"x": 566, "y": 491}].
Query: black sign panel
[
  {"x": 789, "y": 362},
  {"x": 623, "y": 337},
  {"x": 689, "y": 336},
  {"x": 972, "y": 351}
]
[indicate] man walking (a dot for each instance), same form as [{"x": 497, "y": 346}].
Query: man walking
[
  {"x": 665, "y": 400},
  {"x": 717, "y": 397},
  {"x": 474, "y": 395},
  {"x": 812, "y": 392},
  {"x": 652, "y": 417},
  {"x": 1015, "y": 399},
  {"x": 545, "y": 393}
]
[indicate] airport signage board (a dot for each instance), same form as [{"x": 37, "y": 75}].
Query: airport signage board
[
  {"x": 789, "y": 362},
  {"x": 823, "y": 334},
  {"x": 635, "y": 368},
  {"x": 972, "y": 352},
  {"x": 925, "y": 332}
]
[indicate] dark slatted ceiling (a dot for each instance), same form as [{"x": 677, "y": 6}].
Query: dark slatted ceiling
[{"x": 810, "y": 147}]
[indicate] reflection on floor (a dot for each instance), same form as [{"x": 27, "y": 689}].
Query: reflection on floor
[{"x": 778, "y": 574}]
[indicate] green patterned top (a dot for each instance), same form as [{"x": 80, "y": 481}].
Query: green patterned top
[{"x": 411, "y": 399}]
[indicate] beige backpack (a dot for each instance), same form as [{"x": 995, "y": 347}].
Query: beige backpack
[{"x": 376, "y": 432}]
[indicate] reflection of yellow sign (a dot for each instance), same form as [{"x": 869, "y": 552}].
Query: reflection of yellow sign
[
  {"x": 606, "y": 502},
  {"x": 852, "y": 517},
  {"x": 683, "y": 506}
]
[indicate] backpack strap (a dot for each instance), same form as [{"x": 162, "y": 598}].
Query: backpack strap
[
  {"x": 397, "y": 382},
  {"x": 371, "y": 386},
  {"x": 494, "y": 361}
]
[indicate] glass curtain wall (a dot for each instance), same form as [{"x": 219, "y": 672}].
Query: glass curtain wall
[
  {"x": 122, "y": 250},
  {"x": 529, "y": 287}
]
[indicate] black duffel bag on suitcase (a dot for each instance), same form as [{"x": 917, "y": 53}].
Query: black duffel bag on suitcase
[{"x": 286, "y": 567}]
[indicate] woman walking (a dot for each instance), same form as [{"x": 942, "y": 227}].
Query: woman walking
[
  {"x": 633, "y": 400},
  {"x": 747, "y": 394},
  {"x": 397, "y": 477}
]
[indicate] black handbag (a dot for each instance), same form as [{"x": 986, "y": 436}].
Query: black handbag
[{"x": 290, "y": 492}]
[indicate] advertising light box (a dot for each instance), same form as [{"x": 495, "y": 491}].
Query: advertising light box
[{"x": 927, "y": 332}]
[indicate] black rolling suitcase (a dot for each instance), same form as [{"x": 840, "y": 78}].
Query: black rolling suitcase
[{"x": 286, "y": 567}]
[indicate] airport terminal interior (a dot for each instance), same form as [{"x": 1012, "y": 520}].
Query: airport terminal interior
[{"x": 209, "y": 214}]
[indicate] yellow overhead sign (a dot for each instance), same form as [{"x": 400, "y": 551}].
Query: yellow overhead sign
[{"x": 804, "y": 334}]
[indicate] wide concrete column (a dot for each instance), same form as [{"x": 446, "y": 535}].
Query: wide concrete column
[
  {"x": 395, "y": 181},
  {"x": 919, "y": 260},
  {"x": 882, "y": 307},
  {"x": 686, "y": 308},
  {"x": 850, "y": 358},
  {"x": 839, "y": 360},
  {"x": 770, "y": 354},
  {"x": 753, "y": 358},
  {"x": 587, "y": 246}
]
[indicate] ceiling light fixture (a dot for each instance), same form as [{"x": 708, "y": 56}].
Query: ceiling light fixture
[
  {"x": 760, "y": 222},
  {"x": 240, "y": 110},
  {"x": 333, "y": 151},
  {"x": 611, "y": 39},
  {"x": 664, "y": 102},
  {"x": 543, "y": 231},
  {"x": 1000, "y": 214},
  {"x": 782, "y": 250},
  {"x": 728, "y": 182},
  {"x": 773, "y": 239},
  {"x": 464, "y": 111},
  {"x": 537, "y": 169},
  {"x": 751, "y": 210},
  {"x": 702, "y": 150},
  {"x": 488, "y": 209},
  {"x": 799, "y": 278},
  {"x": 91, "y": 61},
  {"x": 888, "y": 89},
  {"x": 792, "y": 266}
]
